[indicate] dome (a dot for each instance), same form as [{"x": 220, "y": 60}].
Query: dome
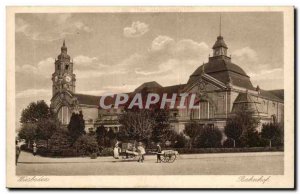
[
  {"x": 222, "y": 69},
  {"x": 220, "y": 43},
  {"x": 63, "y": 54}
]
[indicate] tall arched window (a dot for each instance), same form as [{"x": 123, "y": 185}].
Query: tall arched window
[
  {"x": 204, "y": 111},
  {"x": 64, "y": 115}
]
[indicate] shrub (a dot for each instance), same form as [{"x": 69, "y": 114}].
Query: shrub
[
  {"x": 181, "y": 141},
  {"x": 86, "y": 145},
  {"x": 227, "y": 150},
  {"x": 42, "y": 151},
  {"x": 70, "y": 152},
  {"x": 107, "y": 152},
  {"x": 209, "y": 137},
  {"x": 272, "y": 133},
  {"x": 59, "y": 141},
  {"x": 93, "y": 155},
  {"x": 228, "y": 143},
  {"x": 26, "y": 148},
  {"x": 192, "y": 130},
  {"x": 250, "y": 139}
]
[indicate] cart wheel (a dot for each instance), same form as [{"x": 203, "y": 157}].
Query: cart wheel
[
  {"x": 164, "y": 158},
  {"x": 167, "y": 158},
  {"x": 172, "y": 158}
]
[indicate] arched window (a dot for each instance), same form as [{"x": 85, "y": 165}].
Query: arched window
[
  {"x": 64, "y": 115},
  {"x": 204, "y": 111},
  {"x": 274, "y": 119}
]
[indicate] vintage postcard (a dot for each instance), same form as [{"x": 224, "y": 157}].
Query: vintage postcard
[{"x": 150, "y": 97}]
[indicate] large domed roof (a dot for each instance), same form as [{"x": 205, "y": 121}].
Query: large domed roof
[{"x": 222, "y": 69}]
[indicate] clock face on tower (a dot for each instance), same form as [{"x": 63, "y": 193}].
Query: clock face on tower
[{"x": 67, "y": 78}]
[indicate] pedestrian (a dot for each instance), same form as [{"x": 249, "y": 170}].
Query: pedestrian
[
  {"x": 34, "y": 148},
  {"x": 116, "y": 151},
  {"x": 141, "y": 151},
  {"x": 158, "y": 153},
  {"x": 18, "y": 151}
]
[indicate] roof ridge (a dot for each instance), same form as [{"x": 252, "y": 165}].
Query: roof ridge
[{"x": 86, "y": 94}]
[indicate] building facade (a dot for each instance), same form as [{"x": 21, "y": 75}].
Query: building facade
[{"x": 224, "y": 88}]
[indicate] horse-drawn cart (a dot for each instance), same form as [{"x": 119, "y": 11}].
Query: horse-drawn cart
[
  {"x": 168, "y": 156},
  {"x": 129, "y": 152}
]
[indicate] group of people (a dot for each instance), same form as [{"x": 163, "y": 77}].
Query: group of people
[{"x": 140, "y": 149}]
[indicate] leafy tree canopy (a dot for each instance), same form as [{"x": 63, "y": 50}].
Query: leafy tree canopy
[
  {"x": 270, "y": 131},
  {"x": 209, "y": 137},
  {"x": 137, "y": 125},
  {"x": 36, "y": 111},
  {"x": 28, "y": 131}
]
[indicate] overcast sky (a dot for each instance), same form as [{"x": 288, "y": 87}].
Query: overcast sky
[{"x": 118, "y": 52}]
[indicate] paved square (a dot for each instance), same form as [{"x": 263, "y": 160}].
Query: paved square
[{"x": 195, "y": 164}]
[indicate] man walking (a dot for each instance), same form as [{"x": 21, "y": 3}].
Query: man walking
[
  {"x": 18, "y": 151},
  {"x": 158, "y": 153},
  {"x": 34, "y": 149},
  {"x": 141, "y": 151}
]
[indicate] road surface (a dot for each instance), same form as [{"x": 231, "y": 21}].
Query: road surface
[{"x": 270, "y": 163}]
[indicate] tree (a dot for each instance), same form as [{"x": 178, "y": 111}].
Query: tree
[
  {"x": 161, "y": 130},
  {"x": 233, "y": 129},
  {"x": 180, "y": 141},
  {"x": 270, "y": 131},
  {"x": 28, "y": 132},
  {"x": 246, "y": 123},
  {"x": 46, "y": 128},
  {"x": 209, "y": 137},
  {"x": 111, "y": 137},
  {"x": 137, "y": 124},
  {"x": 100, "y": 135},
  {"x": 36, "y": 111},
  {"x": 169, "y": 135},
  {"x": 192, "y": 130},
  {"x": 86, "y": 145},
  {"x": 76, "y": 126},
  {"x": 38, "y": 122}
]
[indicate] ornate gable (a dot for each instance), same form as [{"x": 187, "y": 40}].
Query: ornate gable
[
  {"x": 205, "y": 83},
  {"x": 64, "y": 98}
]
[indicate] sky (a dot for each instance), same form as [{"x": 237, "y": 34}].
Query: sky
[{"x": 117, "y": 52}]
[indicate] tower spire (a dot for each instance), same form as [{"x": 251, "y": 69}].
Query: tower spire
[
  {"x": 220, "y": 27},
  {"x": 64, "y": 48}
]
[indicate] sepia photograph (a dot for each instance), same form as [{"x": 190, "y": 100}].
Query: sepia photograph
[{"x": 150, "y": 97}]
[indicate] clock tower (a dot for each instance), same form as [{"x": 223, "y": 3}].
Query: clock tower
[{"x": 63, "y": 78}]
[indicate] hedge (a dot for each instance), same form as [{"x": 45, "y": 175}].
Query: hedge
[
  {"x": 223, "y": 150},
  {"x": 71, "y": 152}
]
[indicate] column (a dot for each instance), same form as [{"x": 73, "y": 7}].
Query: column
[
  {"x": 199, "y": 110},
  {"x": 226, "y": 104},
  {"x": 208, "y": 109}
]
